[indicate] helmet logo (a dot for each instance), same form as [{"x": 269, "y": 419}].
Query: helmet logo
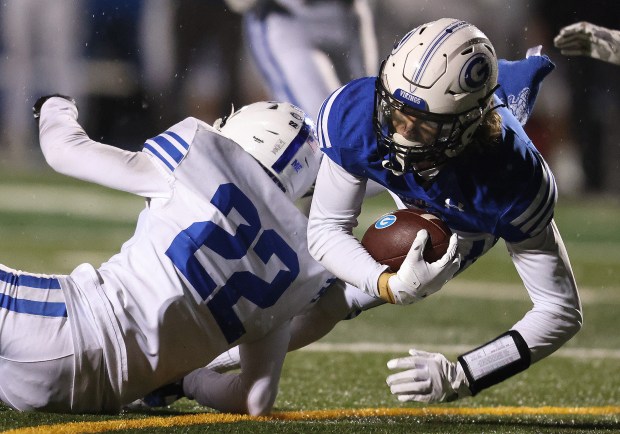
[
  {"x": 296, "y": 165},
  {"x": 475, "y": 73},
  {"x": 410, "y": 99}
]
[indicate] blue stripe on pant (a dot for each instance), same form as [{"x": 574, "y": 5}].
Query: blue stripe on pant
[
  {"x": 36, "y": 343},
  {"x": 33, "y": 298}
]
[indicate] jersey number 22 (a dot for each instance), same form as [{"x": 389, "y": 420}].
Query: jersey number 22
[{"x": 233, "y": 247}]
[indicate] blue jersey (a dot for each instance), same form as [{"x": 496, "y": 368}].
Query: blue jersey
[{"x": 507, "y": 191}]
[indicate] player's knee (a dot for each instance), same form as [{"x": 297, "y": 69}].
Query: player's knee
[
  {"x": 343, "y": 301},
  {"x": 334, "y": 305},
  {"x": 261, "y": 397}
]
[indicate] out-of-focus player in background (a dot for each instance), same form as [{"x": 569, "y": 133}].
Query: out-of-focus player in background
[
  {"x": 305, "y": 49},
  {"x": 430, "y": 130},
  {"x": 218, "y": 259},
  {"x": 586, "y": 39}
]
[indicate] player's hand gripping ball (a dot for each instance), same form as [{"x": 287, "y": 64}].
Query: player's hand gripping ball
[{"x": 389, "y": 239}]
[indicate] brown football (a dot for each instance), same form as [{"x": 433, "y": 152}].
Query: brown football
[{"x": 389, "y": 238}]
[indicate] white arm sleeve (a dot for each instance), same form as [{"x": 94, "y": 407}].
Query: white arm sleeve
[
  {"x": 68, "y": 150},
  {"x": 542, "y": 263},
  {"x": 336, "y": 204}
]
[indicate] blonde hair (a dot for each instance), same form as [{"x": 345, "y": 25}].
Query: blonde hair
[{"x": 490, "y": 129}]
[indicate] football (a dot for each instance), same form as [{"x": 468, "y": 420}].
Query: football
[{"x": 389, "y": 239}]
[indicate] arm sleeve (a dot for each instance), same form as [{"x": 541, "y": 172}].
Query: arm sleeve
[
  {"x": 544, "y": 267},
  {"x": 68, "y": 150},
  {"x": 337, "y": 203}
]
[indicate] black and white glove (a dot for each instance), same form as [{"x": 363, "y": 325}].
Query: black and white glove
[
  {"x": 586, "y": 39},
  {"x": 427, "y": 377},
  {"x": 416, "y": 278},
  {"x": 36, "y": 108}
]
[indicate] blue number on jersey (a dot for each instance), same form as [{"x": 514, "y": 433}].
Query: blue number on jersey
[{"x": 241, "y": 283}]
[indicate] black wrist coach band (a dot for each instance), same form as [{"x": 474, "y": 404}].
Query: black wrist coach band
[{"x": 495, "y": 361}]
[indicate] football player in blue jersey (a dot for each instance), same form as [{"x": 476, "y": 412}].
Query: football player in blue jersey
[
  {"x": 218, "y": 259},
  {"x": 431, "y": 129}
]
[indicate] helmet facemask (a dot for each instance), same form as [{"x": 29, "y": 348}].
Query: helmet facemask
[{"x": 429, "y": 139}]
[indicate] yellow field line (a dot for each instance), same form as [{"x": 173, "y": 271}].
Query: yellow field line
[{"x": 216, "y": 418}]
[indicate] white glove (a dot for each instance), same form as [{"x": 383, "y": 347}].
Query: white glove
[
  {"x": 417, "y": 278},
  {"x": 586, "y": 39},
  {"x": 429, "y": 377}
]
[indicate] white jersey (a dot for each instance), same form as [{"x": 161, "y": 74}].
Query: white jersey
[{"x": 219, "y": 258}]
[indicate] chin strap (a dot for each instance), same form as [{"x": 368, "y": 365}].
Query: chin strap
[{"x": 387, "y": 164}]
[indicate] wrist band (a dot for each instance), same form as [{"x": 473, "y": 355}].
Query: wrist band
[
  {"x": 495, "y": 361},
  {"x": 385, "y": 293}
]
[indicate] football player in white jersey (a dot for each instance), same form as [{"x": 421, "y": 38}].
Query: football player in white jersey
[
  {"x": 430, "y": 129},
  {"x": 218, "y": 259}
]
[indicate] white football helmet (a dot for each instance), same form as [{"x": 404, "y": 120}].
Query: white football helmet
[
  {"x": 432, "y": 93},
  {"x": 281, "y": 138}
]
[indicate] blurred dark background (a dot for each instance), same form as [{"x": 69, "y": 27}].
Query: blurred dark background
[{"x": 136, "y": 67}]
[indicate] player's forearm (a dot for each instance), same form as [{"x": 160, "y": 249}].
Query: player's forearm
[
  {"x": 543, "y": 265},
  {"x": 545, "y": 269},
  {"x": 335, "y": 207},
  {"x": 68, "y": 150},
  {"x": 343, "y": 255},
  {"x": 546, "y": 332}
]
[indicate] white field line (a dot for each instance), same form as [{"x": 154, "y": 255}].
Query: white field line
[
  {"x": 376, "y": 347},
  {"x": 517, "y": 292},
  {"x": 69, "y": 200}
]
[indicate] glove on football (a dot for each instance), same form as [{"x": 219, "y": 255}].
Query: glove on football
[
  {"x": 417, "y": 278},
  {"x": 428, "y": 377},
  {"x": 36, "y": 108},
  {"x": 586, "y": 39}
]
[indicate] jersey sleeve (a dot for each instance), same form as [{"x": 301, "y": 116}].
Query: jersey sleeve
[
  {"x": 169, "y": 148},
  {"x": 520, "y": 81},
  {"x": 345, "y": 126},
  {"x": 327, "y": 130},
  {"x": 68, "y": 150},
  {"x": 532, "y": 210}
]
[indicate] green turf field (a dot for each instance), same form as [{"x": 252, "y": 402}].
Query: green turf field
[{"x": 50, "y": 224}]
